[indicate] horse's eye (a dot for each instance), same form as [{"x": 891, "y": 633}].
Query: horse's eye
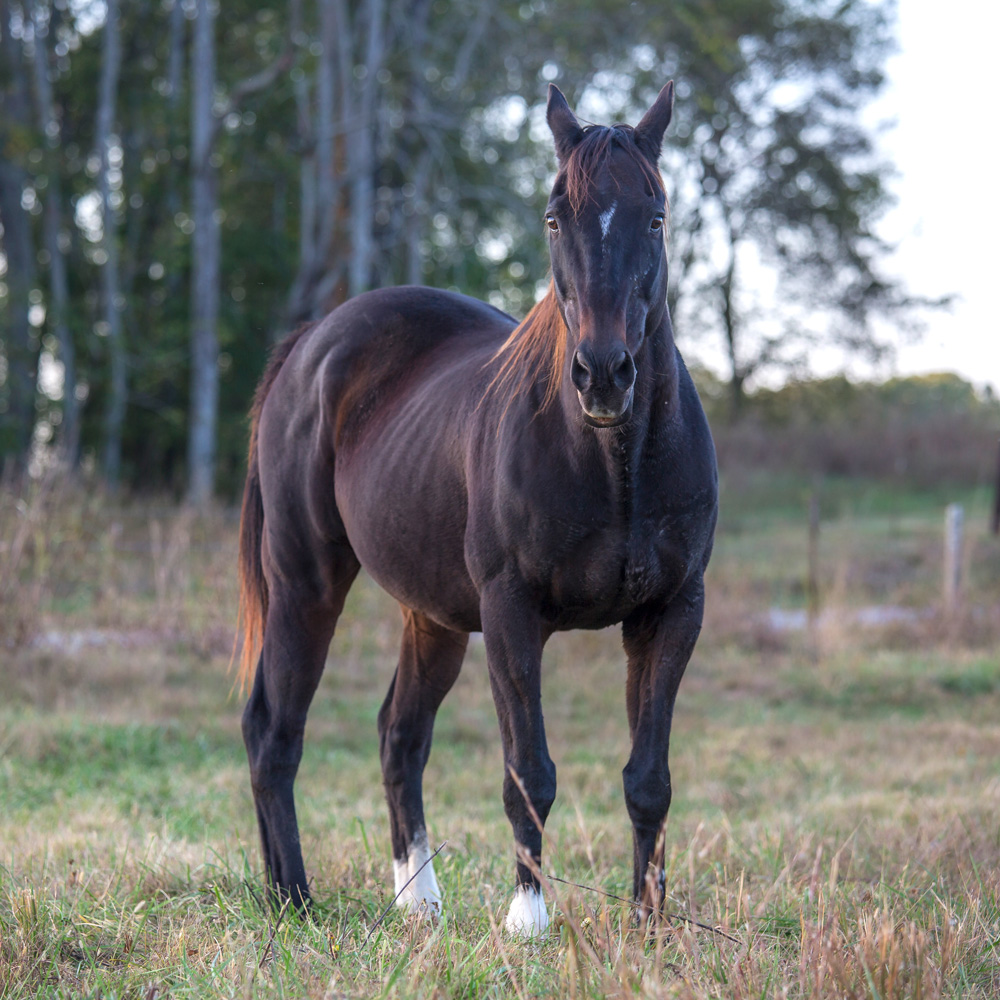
[
  {"x": 552, "y": 222},
  {"x": 657, "y": 224}
]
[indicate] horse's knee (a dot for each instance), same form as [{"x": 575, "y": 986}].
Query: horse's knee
[
  {"x": 253, "y": 724},
  {"x": 545, "y": 791},
  {"x": 647, "y": 794},
  {"x": 273, "y": 745},
  {"x": 532, "y": 788}
]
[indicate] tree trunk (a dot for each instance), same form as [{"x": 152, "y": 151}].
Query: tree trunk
[
  {"x": 319, "y": 191},
  {"x": 317, "y": 184},
  {"x": 114, "y": 419},
  {"x": 203, "y": 410},
  {"x": 20, "y": 351},
  {"x": 416, "y": 219},
  {"x": 58, "y": 305},
  {"x": 175, "y": 128},
  {"x": 361, "y": 153},
  {"x": 298, "y": 308},
  {"x": 737, "y": 375},
  {"x": 17, "y": 423},
  {"x": 327, "y": 189}
]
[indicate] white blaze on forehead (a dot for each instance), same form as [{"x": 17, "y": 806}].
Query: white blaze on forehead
[
  {"x": 527, "y": 916},
  {"x": 605, "y": 220},
  {"x": 422, "y": 895}
]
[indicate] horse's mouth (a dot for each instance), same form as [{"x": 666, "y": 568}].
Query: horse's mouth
[
  {"x": 596, "y": 421},
  {"x": 605, "y": 416}
]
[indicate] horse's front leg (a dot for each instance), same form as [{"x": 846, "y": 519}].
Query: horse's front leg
[
  {"x": 514, "y": 637},
  {"x": 658, "y": 643}
]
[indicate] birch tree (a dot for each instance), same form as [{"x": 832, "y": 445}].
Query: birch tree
[
  {"x": 203, "y": 408},
  {"x": 19, "y": 356},
  {"x": 54, "y": 238},
  {"x": 110, "y": 293},
  {"x": 406, "y": 145},
  {"x": 206, "y": 245},
  {"x": 362, "y": 136},
  {"x": 319, "y": 186}
]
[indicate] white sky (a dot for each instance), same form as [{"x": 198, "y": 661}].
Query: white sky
[{"x": 945, "y": 143}]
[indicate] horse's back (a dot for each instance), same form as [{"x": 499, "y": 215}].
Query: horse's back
[
  {"x": 396, "y": 326},
  {"x": 370, "y": 346}
]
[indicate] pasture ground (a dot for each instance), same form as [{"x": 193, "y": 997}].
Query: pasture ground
[{"x": 836, "y": 816}]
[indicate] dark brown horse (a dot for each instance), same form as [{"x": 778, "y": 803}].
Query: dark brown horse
[{"x": 513, "y": 479}]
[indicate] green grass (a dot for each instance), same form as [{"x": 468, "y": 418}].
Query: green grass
[{"x": 836, "y": 805}]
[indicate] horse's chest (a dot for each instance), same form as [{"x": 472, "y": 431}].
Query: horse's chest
[{"x": 611, "y": 570}]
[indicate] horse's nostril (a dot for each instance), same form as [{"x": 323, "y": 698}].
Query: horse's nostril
[
  {"x": 623, "y": 370},
  {"x": 581, "y": 373}
]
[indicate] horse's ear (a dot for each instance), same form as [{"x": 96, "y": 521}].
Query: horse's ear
[
  {"x": 649, "y": 132},
  {"x": 565, "y": 128}
]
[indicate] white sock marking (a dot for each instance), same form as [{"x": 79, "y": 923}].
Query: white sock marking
[
  {"x": 527, "y": 916},
  {"x": 605, "y": 219},
  {"x": 422, "y": 895}
]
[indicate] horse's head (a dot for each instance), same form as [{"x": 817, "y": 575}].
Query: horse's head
[{"x": 606, "y": 220}]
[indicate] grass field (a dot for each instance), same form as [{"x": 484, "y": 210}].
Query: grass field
[{"x": 835, "y": 830}]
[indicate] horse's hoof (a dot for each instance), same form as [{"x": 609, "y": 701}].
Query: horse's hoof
[
  {"x": 426, "y": 911},
  {"x": 527, "y": 917},
  {"x": 417, "y": 890}
]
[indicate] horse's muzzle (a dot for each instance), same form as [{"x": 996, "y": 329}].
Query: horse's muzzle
[{"x": 604, "y": 385}]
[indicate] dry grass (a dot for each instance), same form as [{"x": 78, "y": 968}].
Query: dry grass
[{"x": 834, "y": 828}]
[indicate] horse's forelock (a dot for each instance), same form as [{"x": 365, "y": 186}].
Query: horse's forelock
[{"x": 593, "y": 154}]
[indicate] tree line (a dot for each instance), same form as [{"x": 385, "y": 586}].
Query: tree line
[{"x": 184, "y": 181}]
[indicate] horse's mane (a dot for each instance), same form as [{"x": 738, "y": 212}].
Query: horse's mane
[{"x": 538, "y": 343}]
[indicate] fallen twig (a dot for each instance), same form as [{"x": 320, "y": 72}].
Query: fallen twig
[
  {"x": 269, "y": 947},
  {"x": 634, "y": 904}
]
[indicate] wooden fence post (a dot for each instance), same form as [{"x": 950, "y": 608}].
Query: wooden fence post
[
  {"x": 812, "y": 561},
  {"x": 954, "y": 518},
  {"x": 995, "y": 521}
]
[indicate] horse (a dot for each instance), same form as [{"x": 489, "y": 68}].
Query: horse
[{"x": 513, "y": 479}]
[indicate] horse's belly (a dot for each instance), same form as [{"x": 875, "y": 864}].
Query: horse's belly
[
  {"x": 405, "y": 519},
  {"x": 435, "y": 586}
]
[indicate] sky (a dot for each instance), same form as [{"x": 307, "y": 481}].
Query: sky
[{"x": 946, "y": 224}]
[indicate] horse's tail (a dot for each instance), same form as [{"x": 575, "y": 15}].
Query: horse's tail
[{"x": 253, "y": 584}]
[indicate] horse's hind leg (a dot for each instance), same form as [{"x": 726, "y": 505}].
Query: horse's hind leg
[
  {"x": 429, "y": 663},
  {"x": 300, "y": 624}
]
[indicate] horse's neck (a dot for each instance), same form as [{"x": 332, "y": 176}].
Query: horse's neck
[{"x": 657, "y": 372}]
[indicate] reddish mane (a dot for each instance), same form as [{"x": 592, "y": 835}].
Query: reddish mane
[{"x": 536, "y": 344}]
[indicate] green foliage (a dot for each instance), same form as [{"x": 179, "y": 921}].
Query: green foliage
[{"x": 462, "y": 165}]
